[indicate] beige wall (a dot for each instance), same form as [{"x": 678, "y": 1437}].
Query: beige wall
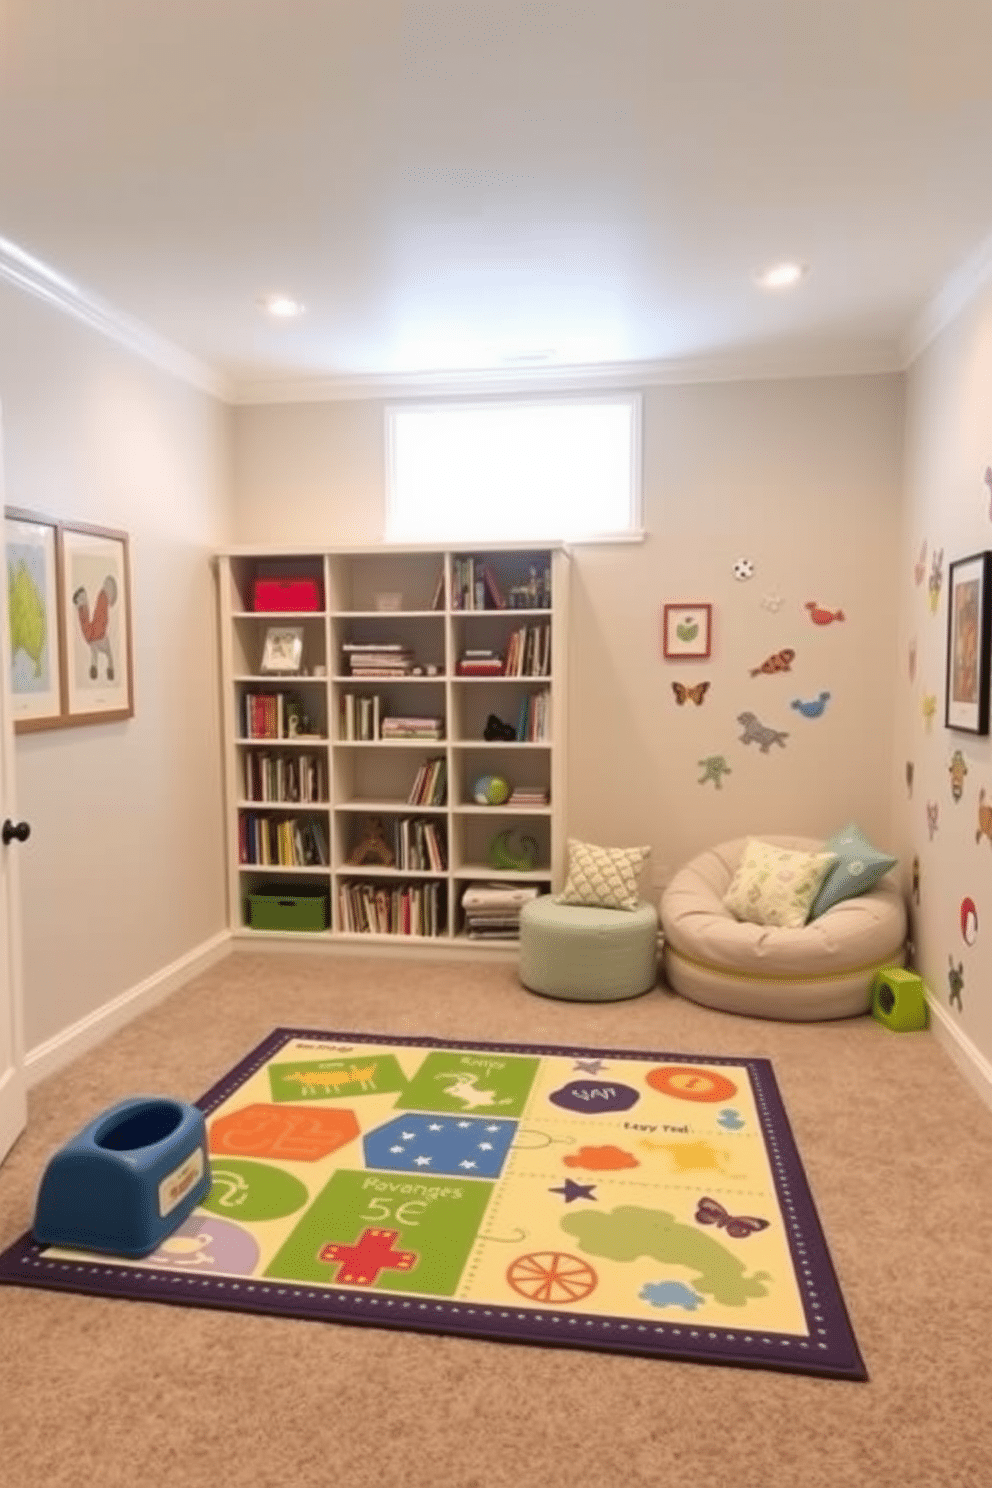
[
  {"x": 123, "y": 873},
  {"x": 949, "y": 506},
  {"x": 803, "y": 478}
]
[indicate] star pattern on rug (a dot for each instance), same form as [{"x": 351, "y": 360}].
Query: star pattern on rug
[{"x": 572, "y": 1190}]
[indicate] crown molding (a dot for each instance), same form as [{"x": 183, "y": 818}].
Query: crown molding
[
  {"x": 33, "y": 277},
  {"x": 840, "y": 361},
  {"x": 957, "y": 292}
]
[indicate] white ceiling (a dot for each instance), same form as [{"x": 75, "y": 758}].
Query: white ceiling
[{"x": 462, "y": 186}]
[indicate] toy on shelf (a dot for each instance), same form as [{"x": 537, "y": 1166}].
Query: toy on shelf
[
  {"x": 496, "y": 729},
  {"x": 513, "y": 850},
  {"x": 490, "y": 790},
  {"x": 127, "y": 1180},
  {"x": 373, "y": 847}
]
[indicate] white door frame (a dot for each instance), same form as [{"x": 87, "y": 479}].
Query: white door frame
[{"x": 13, "y": 1083}]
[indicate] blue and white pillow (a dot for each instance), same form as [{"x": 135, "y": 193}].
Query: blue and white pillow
[{"x": 859, "y": 867}]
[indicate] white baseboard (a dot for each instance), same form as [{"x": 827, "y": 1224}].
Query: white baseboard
[
  {"x": 55, "y": 1053},
  {"x": 970, "y": 1060}
]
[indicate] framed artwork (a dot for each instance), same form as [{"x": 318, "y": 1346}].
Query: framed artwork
[
  {"x": 96, "y": 615},
  {"x": 969, "y": 627},
  {"x": 685, "y": 631},
  {"x": 36, "y": 673},
  {"x": 283, "y": 649}
]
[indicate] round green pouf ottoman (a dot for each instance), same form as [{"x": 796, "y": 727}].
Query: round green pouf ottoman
[{"x": 585, "y": 954}]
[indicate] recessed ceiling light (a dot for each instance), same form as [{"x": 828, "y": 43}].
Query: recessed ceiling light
[
  {"x": 781, "y": 276},
  {"x": 281, "y": 306}
]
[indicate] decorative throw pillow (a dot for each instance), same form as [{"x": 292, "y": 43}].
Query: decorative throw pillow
[
  {"x": 603, "y": 877},
  {"x": 859, "y": 867},
  {"x": 776, "y": 885}
]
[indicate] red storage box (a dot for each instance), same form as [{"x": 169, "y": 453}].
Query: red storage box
[{"x": 286, "y": 594}]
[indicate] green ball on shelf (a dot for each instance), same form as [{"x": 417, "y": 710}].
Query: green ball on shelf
[{"x": 490, "y": 790}]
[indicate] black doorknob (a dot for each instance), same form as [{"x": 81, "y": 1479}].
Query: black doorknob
[{"x": 20, "y": 831}]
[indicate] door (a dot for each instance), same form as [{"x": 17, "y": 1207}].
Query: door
[{"x": 13, "y": 1086}]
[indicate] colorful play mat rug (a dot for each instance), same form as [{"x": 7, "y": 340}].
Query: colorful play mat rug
[{"x": 635, "y": 1202}]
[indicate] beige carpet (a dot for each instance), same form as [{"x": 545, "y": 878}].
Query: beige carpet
[{"x": 898, "y": 1152}]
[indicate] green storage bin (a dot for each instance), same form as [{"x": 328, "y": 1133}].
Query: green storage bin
[{"x": 287, "y": 911}]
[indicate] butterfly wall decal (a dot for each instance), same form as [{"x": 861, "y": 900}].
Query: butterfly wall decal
[
  {"x": 737, "y": 1226},
  {"x": 685, "y": 694}
]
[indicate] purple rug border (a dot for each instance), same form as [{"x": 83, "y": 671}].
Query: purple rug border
[{"x": 831, "y": 1350}]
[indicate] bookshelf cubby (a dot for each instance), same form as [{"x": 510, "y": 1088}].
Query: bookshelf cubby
[{"x": 409, "y": 657}]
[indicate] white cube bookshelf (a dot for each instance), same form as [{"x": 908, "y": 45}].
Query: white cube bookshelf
[{"x": 409, "y": 603}]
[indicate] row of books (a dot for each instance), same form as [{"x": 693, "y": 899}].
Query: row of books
[
  {"x": 430, "y": 785},
  {"x": 528, "y": 652},
  {"x": 492, "y": 910},
  {"x": 408, "y": 909},
  {"x": 286, "y": 842},
  {"x": 301, "y": 777},
  {"x": 534, "y": 717},
  {"x": 279, "y": 715},
  {"x": 419, "y": 844},
  {"x": 359, "y": 716},
  {"x": 474, "y": 586},
  {"x": 412, "y": 728}
]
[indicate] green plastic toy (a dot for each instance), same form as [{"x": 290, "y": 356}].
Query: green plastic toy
[{"x": 898, "y": 999}]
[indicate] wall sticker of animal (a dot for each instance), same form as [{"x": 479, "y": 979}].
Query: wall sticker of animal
[
  {"x": 920, "y": 566},
  {"x": 756, "y": 732},
  {"x": 957, "y": 769},
  {"x": 781, "y": 661},
  {"x": 813, "y": 708},
  {"x": 984, "y": 818},
  {"x": 820, "y": 616},
  {"x": 933, "y": 818},
  {"x": 955, "y": 983},
  {"x": 969, "y": 921},
  {"x": 94, "y": 626},
  {"x": 714, "y": 767},
  {"x": 935, "y": 580},
  {"x": 685, "y": 694}
]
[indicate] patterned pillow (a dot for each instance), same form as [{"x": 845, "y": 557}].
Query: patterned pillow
[
  {"x": 603, "y": 877},
  {"x": 859, "y": 867},
  {"x": 775, "y": 885}
]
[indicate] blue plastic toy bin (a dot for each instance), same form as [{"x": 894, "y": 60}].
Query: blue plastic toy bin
[{"x": 127, "y": 1180}]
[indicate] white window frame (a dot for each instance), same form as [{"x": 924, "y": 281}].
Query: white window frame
[{"x": 632, "y": 532}]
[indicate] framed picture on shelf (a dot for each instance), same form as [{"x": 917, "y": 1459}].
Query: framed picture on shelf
[
  {"x": 685, "y": 631},
  {"x": 36, "y": 674},
  {"x": 969, "y": 629},
  {"x": 283, "y": 649},
  {"x": 95, "y": 594}
]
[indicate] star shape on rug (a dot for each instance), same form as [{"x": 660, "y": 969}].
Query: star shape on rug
[
  {"x": 573, "y": 1190},
  {"x": 589, "y": 1066}
]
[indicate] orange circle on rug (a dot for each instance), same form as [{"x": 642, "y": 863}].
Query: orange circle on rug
[{"x": 688, "y": 1082}]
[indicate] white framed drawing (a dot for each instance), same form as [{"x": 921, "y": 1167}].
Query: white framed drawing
[{"x": 96, "y": 611}]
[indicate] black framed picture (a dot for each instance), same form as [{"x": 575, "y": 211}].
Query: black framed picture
[{"x": 969, "y": 629}]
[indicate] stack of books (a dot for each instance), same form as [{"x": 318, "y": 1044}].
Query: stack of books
[
  {"x": 412, "y": 728},
  {"x": 377, "y": 658},
  {"x": 480, "y": 662},
  {"x": 529, "y": 795},
  {"x": 492, "y": 910}
]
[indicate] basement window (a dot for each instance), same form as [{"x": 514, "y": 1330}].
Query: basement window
[{"x": 536, "y": 469}]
